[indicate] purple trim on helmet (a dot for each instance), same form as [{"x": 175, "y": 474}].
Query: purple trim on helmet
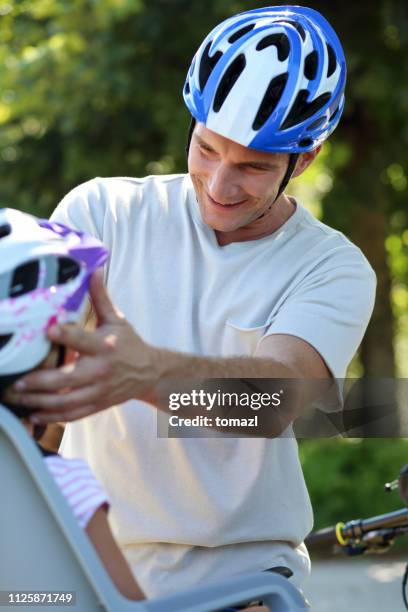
[
  {"x": 90, "y": 252},
  {"x": 93, "y": 257},
  {"x": 74, "y": 302},
  {"x": 58, "y": 228},
  {"x": 86, "y": 240}
]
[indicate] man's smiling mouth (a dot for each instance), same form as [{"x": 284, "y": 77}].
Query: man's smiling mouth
[{"x": 224, "y": 206}]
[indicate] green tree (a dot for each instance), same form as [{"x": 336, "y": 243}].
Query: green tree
[
  {"x": 368, "y": 159},
  {"x": 93, "y": 88}
]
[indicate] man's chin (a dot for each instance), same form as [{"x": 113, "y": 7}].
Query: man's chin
[{"x": 220, "y": 225}]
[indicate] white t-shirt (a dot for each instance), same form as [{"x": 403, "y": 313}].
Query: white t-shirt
[{"x": 193, "y": 510}]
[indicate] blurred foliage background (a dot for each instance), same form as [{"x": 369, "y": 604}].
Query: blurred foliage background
[{"x": 93, "y": 88}]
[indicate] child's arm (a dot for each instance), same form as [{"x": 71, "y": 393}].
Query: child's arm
[
  {"x": 99, "y": 532},
  {"x": 51, "y": 438},
  {"x": 115, "y": 563}
]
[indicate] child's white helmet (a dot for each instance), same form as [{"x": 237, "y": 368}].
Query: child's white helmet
[{"x": 45, "y": 270}]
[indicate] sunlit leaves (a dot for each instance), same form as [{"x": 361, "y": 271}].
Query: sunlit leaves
[
  {"x": 5, "y": 112},
  {"x": 395, "y": 176}
]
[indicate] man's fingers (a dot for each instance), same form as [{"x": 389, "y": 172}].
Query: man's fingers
[
  {"x": 102, "y": 305},
  {"x": 73, "y": 375},
  {"x": 58, "y": 403},
  {"x": 44, "y": 418},
  {"x": 75, "y": 337}
]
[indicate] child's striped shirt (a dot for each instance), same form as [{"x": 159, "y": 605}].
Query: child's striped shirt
[{"x": 79, "y": 486}]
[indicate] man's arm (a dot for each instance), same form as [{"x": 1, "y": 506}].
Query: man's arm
[
  {"x": 116, "y": 365},
  {"x": 281, "y": 363}
]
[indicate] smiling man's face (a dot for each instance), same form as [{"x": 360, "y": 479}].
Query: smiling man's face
[{"x": 235, "y": 185}]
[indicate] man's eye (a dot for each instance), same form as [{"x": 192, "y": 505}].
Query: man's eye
[
  {"x": 257, "y": 168},
  {"x": 205, "y": 149}
]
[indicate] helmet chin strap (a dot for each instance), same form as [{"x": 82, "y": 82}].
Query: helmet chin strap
[
  {"x": 293, "y": 157},
  {"x": 190, "y": 133}
]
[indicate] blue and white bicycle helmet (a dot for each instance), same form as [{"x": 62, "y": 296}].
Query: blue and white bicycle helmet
[
  {"x": 271, "y": 79},
  {"x": 45, "y": 269}
]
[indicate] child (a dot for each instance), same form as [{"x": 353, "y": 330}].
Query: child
[{"x": 45, "y": 270}]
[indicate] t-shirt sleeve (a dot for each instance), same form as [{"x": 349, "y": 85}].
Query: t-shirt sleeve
[
  {"x": 330, "y": 307},
  {"x": 83, "y": 209},
  {"x": 79, "y": 486}
]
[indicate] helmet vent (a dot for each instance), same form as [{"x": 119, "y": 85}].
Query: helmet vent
[
  {"x": 301, "y": 109},
  {"x": 280, "y": 41},
  {"x": 306, "y": 142},
  {"x": 207, "y": 65},
  {"x": 68, "y": 269},
  {"x": 317, "y": 123},
  {"x": 187, "y": 88},
  {"x": 5, "y": 339},
  {"x": 334, "y": 114},
  {"x": 240, "y": 33},
  {"x": 270, "y": 100},
  {"x": 311, "y": 66},
  {"x": 5, "y": 230},
  {"x": 228, "y": 81},
  {"x": 298, "y": 27},
  {"x": 25, "y": 279},
  {"x": 332, "y": 61}
]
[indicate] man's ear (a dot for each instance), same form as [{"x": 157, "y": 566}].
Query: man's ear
[{"x": 304, "y": 161}]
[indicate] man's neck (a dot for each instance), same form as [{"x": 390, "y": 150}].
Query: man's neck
[{"x": 271, "y": 221}]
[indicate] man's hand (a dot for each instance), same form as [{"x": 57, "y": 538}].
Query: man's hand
[{"x": 114, "y": 365}]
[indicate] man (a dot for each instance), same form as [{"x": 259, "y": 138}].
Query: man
[{"x": 218, "y": 274}]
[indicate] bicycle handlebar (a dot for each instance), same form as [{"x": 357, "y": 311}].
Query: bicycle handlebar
[
  {"x": 355, "y": 530},
  {"x": 374, "y": 534},
  {"x": 322, "y": 538}
]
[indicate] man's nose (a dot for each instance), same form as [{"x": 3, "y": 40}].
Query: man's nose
[{"x": 224, "y": 185}]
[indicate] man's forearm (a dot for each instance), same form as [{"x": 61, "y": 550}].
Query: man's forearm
[
  {"x": 183, "y": 373},
  {"x": 175, "y": 365}
]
